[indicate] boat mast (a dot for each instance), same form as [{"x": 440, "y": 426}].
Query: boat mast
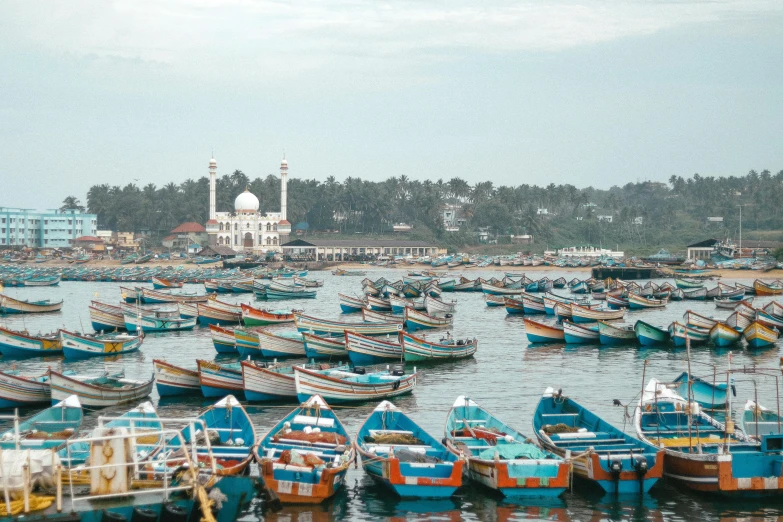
[
  {"x": 729, "y": 422},
  {"x": 690, "y": 392}
]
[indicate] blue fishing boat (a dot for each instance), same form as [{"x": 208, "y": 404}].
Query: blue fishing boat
[
  {"x": 649, "y": 335},
  {"x": 223, "y": 339},
  {"x": 757, "y": 421},
  {"x": 402, "y": 456},
  {"x": 340, "y": 385},
  {"x": 500, "y": 457},
  {"x": 580, "y": 333},
  {"x": 710, "y": 395},
  {"x": 22, "y": 391},
  {"x": 47, "y": 429},
  {"x": 679, "y": 333},
  {"x": 514, "y": 306},
  {"x": 157, "y": 321},
  {"x": 540, "y": 332},
  {"x": 319, "y": 347},
  {"x": 21, "y": 344},
  {"x": 219, "y": 380},
  {"x": 350, "y": 304},
  {"x": 604, "y": 454},
  {"x": 612, "y": 334},
  {"x": 366, "y": 351},
  {"x": 304, "y": 458},
  {"x": 77, "y": 346}
]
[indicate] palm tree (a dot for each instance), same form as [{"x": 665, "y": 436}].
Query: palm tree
[{"x": 71, "y": 203}]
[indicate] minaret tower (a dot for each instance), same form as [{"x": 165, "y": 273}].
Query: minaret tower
[
  {"x": 212, "y": 224},
  {"x": 283, "y": 227}
]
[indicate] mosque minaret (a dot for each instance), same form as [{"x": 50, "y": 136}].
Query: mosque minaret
[{"x": 246, "y": 229}]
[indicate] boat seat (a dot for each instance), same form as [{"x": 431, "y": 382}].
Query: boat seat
[
  {"x": 297, "y": 442},
  {"x": 471, "y": 421},
  {"x": 385, "y": 448},
  {"x": 377, "y": 432},
  {"x": 559, "y": 414},
  {"x": 587, "y": 441},
  {"x": 313, "y": 421}
]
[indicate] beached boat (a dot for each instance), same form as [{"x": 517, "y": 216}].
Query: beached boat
[
  {"x": 9, "y": 305},
  {"x": 307, "y": 323},
  {"x": 603, "y": 454},
  {"x": 23, "y": 391},
  {"x": 637, "y": 302},
  {"x": 350, "y": 304},
  {"x": 758, "y": 336},
  {"x": 173, "y": 380},
  {"x": 541, "y": 332},
  {"x": 157, "y": 321},
  {"x": 402, "y": 456},
  {"x": 319, "y": 347},
  {"x": 580, "y": 334},
  {"x": 21, "y": 344},
  {"x": 101, "y": 391},
  {"x": 304, "y": 458},
  {"x": 150, "y": 296},
  {"x": 219, "y": 380},
  {"x": 106, "y": 317},
  {"x": 365, "y": 351},
  {"x": 257, "y": 317},
  {"x": 341, "y": 386},
  {"x": 223, "y": 339},
  {"x": 499, "y": 457},
  {"x": 650, "y": 335},
  {"x": 420, "y": 349},
  {"x": 79, "y": 346},
  {"x": 416, "y": 320},
  {"x": 48, "y": 429},
  {"x": 613, "y": 334},
  {"x": 757, "y": 421}
]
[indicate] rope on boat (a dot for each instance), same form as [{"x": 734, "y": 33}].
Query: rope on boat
[{"x": 37, "y": 503}]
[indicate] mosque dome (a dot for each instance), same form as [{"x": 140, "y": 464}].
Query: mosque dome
[{"x": 246, "y": 202}]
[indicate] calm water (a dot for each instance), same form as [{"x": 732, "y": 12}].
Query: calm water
[{"x": 507, "y": 376}]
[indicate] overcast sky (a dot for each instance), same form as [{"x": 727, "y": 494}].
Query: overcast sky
[{"x": 590, "y": 93}]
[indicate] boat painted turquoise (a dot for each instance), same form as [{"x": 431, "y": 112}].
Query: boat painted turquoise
[
  {"x": 757, "y": 421},
  {"x": 649, "y": 335},
  {"x": 612, "y": 334},
  {"x": 724, "y": 335},
  {"x": 679, "y": 333},
  {"x": 580, "y": 333},
  {"x": 59, "y": 422},
  {"x": 710, "y": 395},
  {"x": 603, "y": 454}
]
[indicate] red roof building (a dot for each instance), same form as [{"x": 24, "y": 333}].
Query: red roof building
[{"x": 191, "y": 227}]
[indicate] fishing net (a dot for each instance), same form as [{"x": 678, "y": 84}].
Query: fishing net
[
  {"x": 214, "y": 438},
  {"x": 551, "y": 429},
  {"x": 299, "y": 459},
  {"x": 394, "y": 438},
  {"x": 313, "y": 437},
  {"x": 147, "y": 439},
  {"x": 43, "y": 435},
  {"x": 412, "y": 456}
]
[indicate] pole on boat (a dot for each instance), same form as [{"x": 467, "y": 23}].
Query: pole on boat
[
  {"x": 690, "y": 392},
  {"x": 757, "y": 406},
  {"x": 729, "y": 422},
  {"x": 777, "y": 395}
]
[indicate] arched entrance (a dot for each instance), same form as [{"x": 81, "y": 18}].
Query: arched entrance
[{"x": 248, "y": 240}]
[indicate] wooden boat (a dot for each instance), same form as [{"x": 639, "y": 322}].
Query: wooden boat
[
  {"x": 365, "y": 351},
  {"x": 340, "y": 386},
  {"x": 603, "y": 454},
  {"x": 584, "y": 314},
  {"x": 393, "y": 448},
  {"x": 265, "y": 382},
  {"x": 21, "y": 344},
  {"x": 494, "y": 300},
  {"x": 350, "y": 304},
  {"x": 378, "y": 304},
  {"x": 688, "y": 284},
  {"x": 730, "y": 304},
  {"x": 579, "y": 334},
  {"x": 701, "y": 453},
  {"x": 232, "y": 437},
  {"x": 637, "y": 302},
  {"x": 531, "y": 305},
  {"x": 302, "y": 465},
  {"x": 79, "y": 346},
  {"x": 768, "y": 320},
  {"x": 210, "y": 315},
  {"x": 757, "y": 421},
  {"x": 106, "y": 318},
  {"x": 399, "y": 304},
  {"x": 774, "y": 308},
  {"x": 173, "y": 380},
  {"x": 105, "y": 390},
  {"x": 48, "y": 429},
  {"x": 436, "y": 306},
  {"x": 22, "y": 391},
  {"x": 371, "y": 316},
  {"x": 341, "y": 272},
  {"x": 223, "y": 339},
  {"x": 150, "y": 296},
  {"x": 219, "y": 380},
  {"x": 9, "y": 305},
  {"x": 295, "y": 292},
  {"x": 723, "y": 335},
  {"x": 697, "y": 294},
  {"x": 499, "y": 457},
  {"x": 416, "y": 320},
  {"x": 188, "y": 310},
  {"x": 612, "y": 334},
  {"x": 762, "y": 288},
  {"x": 160, "y": 283},
  {"x": 256, "y": 317},
  {"x": 540, "y": 332},
  {"x": 614, "y": 301},
  {"x": 709, "y": 395},
  {"x": 306, "y": 323},
  {"x": 649, "y": 335},
  {"x": 143, "y": 259},
  {"x": 420, "y": 349},
  {"x": 491, "y": 289},
  {"x": 691, "y": 318},
  {"x": 157, "y": 321},
  {"x": 513, "y": 306},
  {"x": 758, "y": 336},
  {"x": 282, "y": 344},
  {"x": 247, "y": 343},
  {"x": 318, "y": 347},
  {"x": 679, "y": 333}
]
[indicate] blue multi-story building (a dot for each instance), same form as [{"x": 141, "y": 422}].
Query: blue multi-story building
[{"x": 21, "y": 227}]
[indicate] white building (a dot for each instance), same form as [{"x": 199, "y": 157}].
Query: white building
[
  {"x": 588, "y": 251},
  {"x": 246, "y": 229}
]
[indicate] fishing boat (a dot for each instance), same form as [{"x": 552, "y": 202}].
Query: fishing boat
[
  {"x": 365, "y": 351},
  {"x": 416, "y": 348},
  {"x": 280, "y": 344},
  {"x": 617, "y": 301},
  {"x": 650, "y": 335},
  {"x": 704, "y": 454},
  {"x": 688, "y": 284},
  {"x": 9, "y": 305},
  {"x": 306, "y": 323},
  {"x": 210, "y": 315},
  {"x": 762, "y": 288},
  {"x": 758, "y": 336},
  {"x": 724, "y": 335},
  {"x": 436, "y": 306},
  {"x": 580, "y": 334},
  {"x": 319, "y": 347},
  {"x": 101, "y": 391},
  {"x": 499, "y": 457},
  {"x": 612, "y": 334},
  {"x": 402, "y": 456},
  {"x": 513, "y": 306},
  {"x": 219, "y": 380},
  {"x": 143, "y": 259},
  {"x": 157, "y": 321},
  {"x": 43, "y": 281},
  {"x": 223, "y": 339},
  {"x": 304, "y": 458},
  {"x": 493, "y": 301},
  {"x": 637, "y": 302},
  {"x": 709, "y": 395},
  {"x": 680, "y": 333},
  {"x": 256, "y": 317},
  {"x": 106, "y": 317},
  {"x": 231, "y": 437},
  {"x": 340, "y": 386},
  {"x": 541, "y": 332},
  {"x": 48, "y": 429},
  {"x": 757, "y": 421},
  {"x": 265, "y": 382},
  {"x": 295, "y": 292},
  {"x": 173, "y": 380},
  {"x": 603, "y": 454},
  {"x": 491, "y": 289},
  {"x": 371, "y": 316},
  {"x": 188, "y": 310},
  {"x": 416, "y": 320},
  {"x": 341, "y": 272},
  {"x": 79, "y": 346},
  {"x": 691, "y": 318},
  {"x": 584, "y": 314},
  {"x": 22, "y": 391},
  {"x": 399, "y": 304},
  {"x": 21, "y": 344},
  {"x": 150, "y": 296},
  {"x": 531, "y": 304},
  {"x": 159, "y": 283},
  {"x": 378, "y": 304},
  {"x": 350, "y": 304}
]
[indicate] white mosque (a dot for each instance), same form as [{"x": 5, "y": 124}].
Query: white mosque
[{"x": 246, "y": 229}]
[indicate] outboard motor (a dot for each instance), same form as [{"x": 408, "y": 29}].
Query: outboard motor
[
  {"x": 615, "y": 468},
  {"x": 359, "y": 370},
  {"x": 398, "y": 370},
  {"x": 639, "y": 463}
]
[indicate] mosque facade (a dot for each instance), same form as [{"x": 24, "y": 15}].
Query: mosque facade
[{"x": 246, "y": 229}]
